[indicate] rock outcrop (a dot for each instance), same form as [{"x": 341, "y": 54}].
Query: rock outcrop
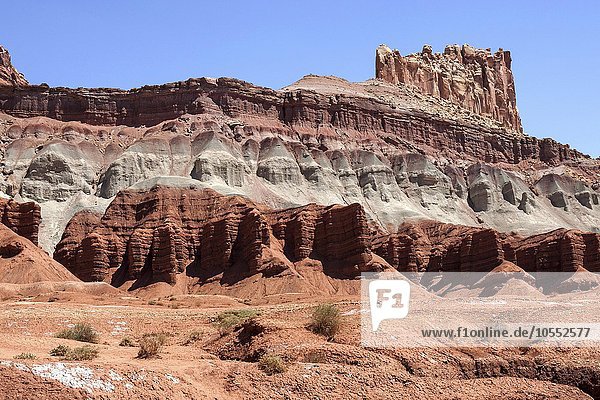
[
  {"x": 323, "y": 175},
  {"x": 432, "y": 246},
  {"x": 22, "y": 218},
  {"x": 472, "y": 78},
  {"x": 163, "y": 233},
  {"x": 153, "y": 236},
  {"x": 22, "y": 262},
  {"x": 9, "y": 76}
]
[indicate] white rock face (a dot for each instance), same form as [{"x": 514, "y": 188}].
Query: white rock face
[
  {"x": 147, "y": 158},
  {"x": 78, "y": 172},
  {"x": 59, "y": 171}
]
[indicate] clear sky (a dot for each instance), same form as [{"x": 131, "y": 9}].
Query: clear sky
[{"x": 555, "y": 45}]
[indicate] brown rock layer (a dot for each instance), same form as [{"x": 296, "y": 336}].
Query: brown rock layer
[
  {"x": 434, "y": 246},
  {"x": 473, "y": 78},
  {"x": 314, "y": 116},
  {"x": 153, "y": 236},
  {"x": 22, "y": 218},
  {"x": 23, "y": 262}
]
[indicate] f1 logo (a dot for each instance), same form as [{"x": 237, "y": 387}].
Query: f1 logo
[{"x": 388, "y": 299}]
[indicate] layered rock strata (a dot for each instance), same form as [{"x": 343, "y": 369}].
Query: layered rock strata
[
  {"x": 473, "y": 78},
  {"x": 22, "y": 218},
  {"x": 394, "y": 152},
  {"x": 152, "y": 236},
  {"x": 158, "y": 235},
  {"x": 9, "y": 76}
]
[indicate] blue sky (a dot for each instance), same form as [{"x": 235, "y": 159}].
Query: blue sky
[{"x": 555, "y": 46}]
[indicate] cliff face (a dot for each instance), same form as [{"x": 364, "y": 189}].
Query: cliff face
[
  {"x": 220, "y": 180},
  {"x": 22, "y": 218},
  {"x": 9, "y": 76},
  {"x": 159, "y": 235},
  {"x": 472, "y": 78},
  {"x": 300, "y": 109},
  {"x": 153, "y": 236}
]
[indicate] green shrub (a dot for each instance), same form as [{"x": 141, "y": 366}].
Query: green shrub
[
  {"x": 25, "y": 356},
  {"x": 230, "y": 319},
  {"x": 81, "y": 332},
  {"x": 60, "y": 351},
  {"x": 151, "y": 344},
  {"x": 127, "y": 342},
  {"x": 84, "y": 353},
  {"x": 326, "y": 320},
  {"x": 271, "y": 364}
]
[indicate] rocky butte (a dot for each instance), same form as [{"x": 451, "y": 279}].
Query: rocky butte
[{"x": 214, "y": 184}]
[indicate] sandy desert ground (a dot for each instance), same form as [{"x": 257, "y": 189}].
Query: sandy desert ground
[{"x": 203, "y": 358}]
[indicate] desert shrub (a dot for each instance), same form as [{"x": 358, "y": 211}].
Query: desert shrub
[
  {"x": 151, "y": 344},
  {"x": 60, "y": 351},
  {"x": 326, "y": 320},
  {"x": 81, "y": 332},
  {"x": 83, "y": 353},
  {"x": 127, "y": 342},
  {"x": 193, "y": 337},
  {"x": 271, "y": 364},
  {"x": 230, "y": 319},
  {"x": 25, "y": 356}
]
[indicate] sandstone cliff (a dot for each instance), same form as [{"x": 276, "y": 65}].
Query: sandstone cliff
[
  {"x": 154, "y": 236},
  {"x": 473, "y": 78},
  {"x": 164, "y": 234},
  {"x": 323, "y": 175},
  {"x": 22, "y": 218},
  {"x": 8, "y": 74}
]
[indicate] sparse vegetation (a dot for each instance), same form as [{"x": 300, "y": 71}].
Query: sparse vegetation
[
  {"x": 25, "y": 356},
  {"x": 230, "y": 319},
  {"x": 151, "y": 344},
  {"x": 127, "y": 342},
  {"x": 83, "y": 353},
  {"x": 81, "y": 332},
  {"x": 326, "y": 320},
  {"x": 271, "y": 364},
  {"x": 60, "y": 351},
  {"x": 193, "y": 337}
]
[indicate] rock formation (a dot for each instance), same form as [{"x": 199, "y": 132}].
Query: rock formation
[
  {"x": 473, "y": 78},
  {"x": 161, "y": 234},
  {"x": 22, "y": 218},
  {"x": 22, "y": 262},
  {"x": 9, "y": 76},
  {"x": 217, "y": 180},
  {"x": 153, "y": 236},
  {"x": 433, "y": 246}
]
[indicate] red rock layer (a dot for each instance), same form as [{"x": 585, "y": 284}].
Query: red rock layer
[
  {"x": 434, "y": 246},
  {"x": 473, "y": 78},
  {"x": 22, "y": 218},
  {"x": 23, "y": 262},
  {"x": 315, "y": 117},
  {"x": 9, "y": 76},
  {"x": 155, "y": 235}
]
